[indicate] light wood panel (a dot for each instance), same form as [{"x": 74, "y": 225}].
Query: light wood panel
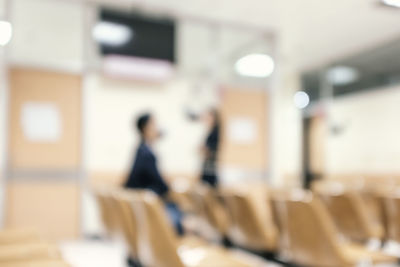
[
  {"x": 63, "y": 90},
  {"x": 51, "y": 203},
  {"x": 250, "y": 104},
  {"x": 50, "y": 207}
]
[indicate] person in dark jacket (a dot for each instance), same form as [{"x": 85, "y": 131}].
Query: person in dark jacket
[
  {"x": 210, "y": 149},
  {"x": 145, "y": 173}
]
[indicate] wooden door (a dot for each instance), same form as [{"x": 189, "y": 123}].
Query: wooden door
[
  {"x": 44, "y": 152},
  {"x": 245, "y": 134}
]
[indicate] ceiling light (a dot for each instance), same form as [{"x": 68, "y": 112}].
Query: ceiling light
[
  {"x": 5, "y": 32},
  {"x": 255, "y": 65},
  {"x": 392, "y": 3},
  {"x": 113, "y": 34},
  {"x": 342, "y": 75},
  {"x": 301, "y": 99}
]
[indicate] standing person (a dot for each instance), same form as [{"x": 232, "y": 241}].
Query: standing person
[
  {"x": 210, "y": 149},
  {"x": 145, "y": 173}
]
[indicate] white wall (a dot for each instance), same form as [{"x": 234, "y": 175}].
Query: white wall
[
  {"x": 369, "y": 142},
  {"x": 111, "y": 137},
  {"x": 286, "y": 130}
]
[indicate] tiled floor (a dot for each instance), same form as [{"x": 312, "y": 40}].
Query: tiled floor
[
  {"x": 94, "y": 254},
  {"x": 112, "y": 254}
]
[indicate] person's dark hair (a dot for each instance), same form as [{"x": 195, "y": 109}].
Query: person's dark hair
[{"x": 142, "y": 121}]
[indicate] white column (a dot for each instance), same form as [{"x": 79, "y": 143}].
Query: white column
[
  {"x": 4, "y": 100},
  {"x": 272, "y": 114}
]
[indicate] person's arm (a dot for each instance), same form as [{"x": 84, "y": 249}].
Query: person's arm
[{"x": 158, "y": 184}]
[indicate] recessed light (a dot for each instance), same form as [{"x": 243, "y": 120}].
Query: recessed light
[
  {"x": 301, "y": 99},
  {"x": 5, "y": 32},
  {"x": 392, "y": 3},
  {"x": 113, "y": 34},
  {"x": 255, "y": 65}
]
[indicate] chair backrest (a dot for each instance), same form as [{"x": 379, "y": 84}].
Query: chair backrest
[
  {"x": 251, "y": 222},
  {"x": 313, "y": 235},
  {"x": 279, "y": 206},
  {"x": 352, "y": 216},
  {"x": 210, "y": 208},
  {"x": 122, "y": 204},
  {"x": 375, "y": 211},
  {"x": 391, "y": 205},
  {"x": 157, "y": 242},
  {"x": 106, "y": 209}
]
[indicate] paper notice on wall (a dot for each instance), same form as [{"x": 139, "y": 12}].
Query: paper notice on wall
[
  {"x": 41, "y": 122},
  {"x": 242, "y": 130}
]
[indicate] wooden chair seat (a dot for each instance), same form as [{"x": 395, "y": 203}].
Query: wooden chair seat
[
  {"x": 36, "y": 263},
  {"x": 26, "y": 251},
  {"x": 12, "y": 236},
  {"x": 356, "y": 253}
]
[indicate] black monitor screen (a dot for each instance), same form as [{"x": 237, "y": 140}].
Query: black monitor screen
[{"x": 151, "y": 38}]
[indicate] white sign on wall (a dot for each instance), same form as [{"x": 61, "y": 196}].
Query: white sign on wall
[
  {"x": 242, "y": 130},
  {"x": 41, "y": 122}
]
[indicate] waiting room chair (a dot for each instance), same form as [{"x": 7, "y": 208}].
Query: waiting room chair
[
  {"x": 352, "y": 215},
  {"x": 158, "y": 246},
  {"x": 314, "y": 240},
  {"x": 210, "y": 210},
  {"x": 251, "y": 223},
  {"x": 127, "y": 224},
  {"x": 24, "y": 247},
  {"x": 391, "y": 207},
  {"x": 106, "y": 209}
]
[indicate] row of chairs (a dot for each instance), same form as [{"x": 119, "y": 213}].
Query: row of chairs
[
  {"x": 25, "y": 248},
  {"x": 311, "y": 236},
  {"x": 363, "y": 213},
  {"x": 296, "y": 226},
  {"x": 140, "y": 218},
  {"x": 300, "y": 226}
]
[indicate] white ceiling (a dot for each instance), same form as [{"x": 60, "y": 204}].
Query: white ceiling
[{"x": 311, "y": 31}]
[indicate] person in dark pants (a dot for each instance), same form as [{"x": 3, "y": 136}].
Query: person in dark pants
[
  {"x": 145, "y": 173},
  {"x": 210, "y": 149}
]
